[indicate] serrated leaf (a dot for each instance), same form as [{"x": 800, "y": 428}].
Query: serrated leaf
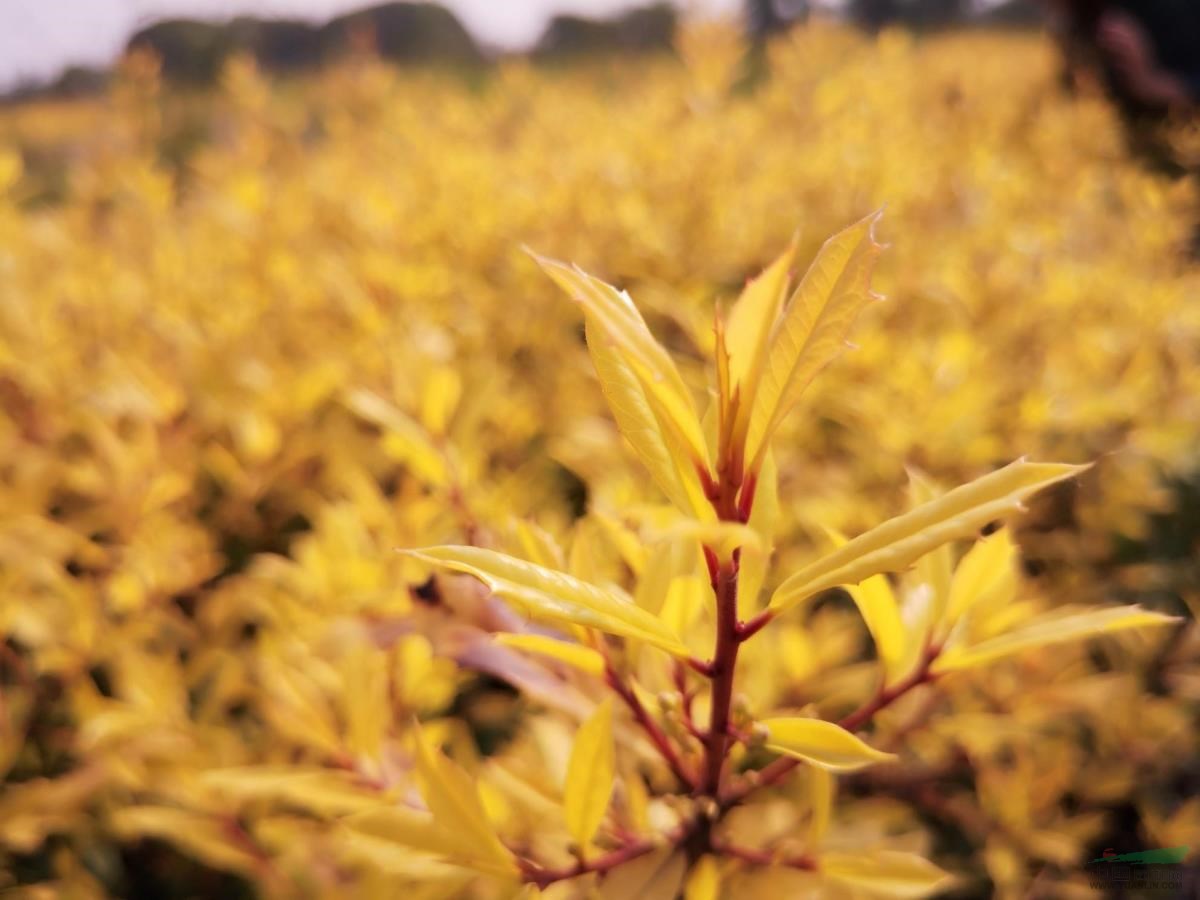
[
  {"x": 822, "y": 744},
  {"x": 591, "y": 770},
  {"x": 934, "y": 569},
  {"x": 555, "y": 595},
  {"x": 453, "y": 798},
  {"x": 899, "y": 542},
  {"x": 885, "y": 873},
  {"x": 812, "y": 329},
  {"x": 1047, "y": 630},
  {"x": 636, "y": 420},
  {"x": 583, "y": 658},
  {"x": 617, "y": 319}
]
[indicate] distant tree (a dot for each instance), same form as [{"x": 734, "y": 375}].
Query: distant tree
[
  {"x": 645, "y": 29},
  {"x": 767, "y": 17}
]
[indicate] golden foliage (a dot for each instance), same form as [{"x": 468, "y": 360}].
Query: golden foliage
[{"x": 252, "y": 343}]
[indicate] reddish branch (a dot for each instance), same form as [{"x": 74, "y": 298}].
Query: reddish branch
[
  {"x": 542, "y": 877},
  {"x": 775, "y": 772},
  {"x": 653, "y": 731},
  {"x": 766, "y": 857},
  {"x": 724, "y": 664},
  {"x": 697, "y": 833}
]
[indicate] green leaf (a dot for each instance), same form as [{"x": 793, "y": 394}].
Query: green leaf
[
  {"x": 899, "y": 542},
  {"x": 591, "y": 771},
  {"x": 822, "y": 744},
  {"x": 555, "y": 595},
  {"x": 1052, "y": 629}
]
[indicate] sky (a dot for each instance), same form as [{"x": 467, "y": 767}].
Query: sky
[{"x": 38, "y": 38}]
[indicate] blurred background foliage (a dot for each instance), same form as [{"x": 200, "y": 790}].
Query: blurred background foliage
[{"x": 254, "y": 337}]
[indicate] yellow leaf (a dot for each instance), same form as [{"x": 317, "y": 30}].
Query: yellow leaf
[
  {"x": 1052, "y": 629},
  {"x": 583, "y": 658},
  {"x": 443, "y": 389},
  {"x": 11, "y": 167},
  {"x": 812, "y": 330},
  {"x": 936, "y": 567},
  {"x": 686, "y": 598},
  {"x": 414, "y": 831},
  {"x": 877, "y": 604},
  {"x": 591, "y": 770},
  {"x": 899, "y": 542},
  {"x": 656, "y": 876},
  {"x": 750, "y": 322},
  {"x": 822, "y": 786},
  {"x": 624, "y": 540},
  {"x": 635, "y": 417},
  {"x": 555, "y": 595},
  {"x": 618, "y": 321},
  {"x": 404, "y": 439},
  {"x": 885, "y": 873},
  {"x": 986, "y": 573},
  {"x": 723, "y": 537},
  {"x": 321, "y": 791},
  {"x": 822, "y": 744},
  {"x": 538, "y": 545},
  {"x": 410, "y": 828},
  {"x": 764, "y": 519},
  {"x": 203, "y": 837},
  {"x": 453, "y": 798},
  {"x": 704, "y": 881}
]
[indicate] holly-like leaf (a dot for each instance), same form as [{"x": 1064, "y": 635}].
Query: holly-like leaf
[
  {"x": 636, "y": 419},
  {"x": 899, "y": 542},
  {"x": 812, "y": 329},
  {"x": 615, "y": 319},
  {"x": 554, "y": 595},
  {"x": 591, "y": 771},
  {"x": 1052, "y": 629},
  {"x": 822, "y": 744}
]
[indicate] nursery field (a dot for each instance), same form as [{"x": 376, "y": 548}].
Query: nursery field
[{"x": 258, "y": 343}]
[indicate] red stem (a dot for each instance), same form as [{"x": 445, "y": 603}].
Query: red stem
[
  {"x": 775, "y": 772},
  {"x": 535, "y": 874},
  {"x": 724, "y": 665},
  {"x": 656, "y": 735},
  {"x": 766, "y": 857}
]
